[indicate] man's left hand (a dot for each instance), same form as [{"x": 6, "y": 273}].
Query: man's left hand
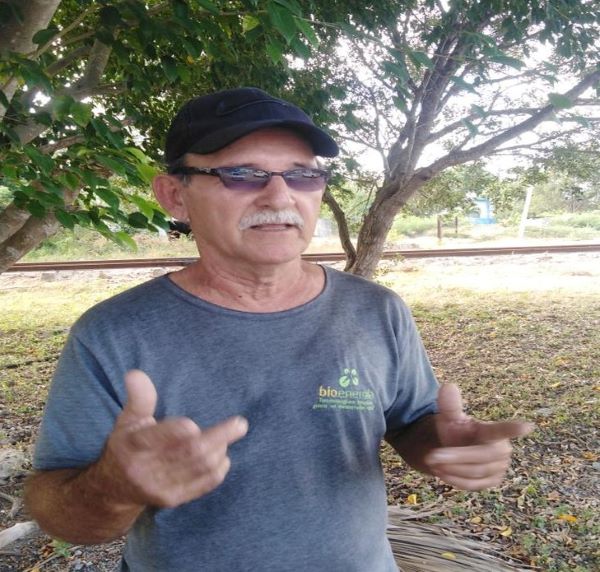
[{"x": 474, "y": 455}]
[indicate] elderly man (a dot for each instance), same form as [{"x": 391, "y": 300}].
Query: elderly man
[{"x": 228, "y": 416}]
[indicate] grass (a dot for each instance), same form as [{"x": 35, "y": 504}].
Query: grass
[
  {"x": 519, "y": 335},
  {"x": 84, "y": 244},
  {"x": 521, "y": 341}
]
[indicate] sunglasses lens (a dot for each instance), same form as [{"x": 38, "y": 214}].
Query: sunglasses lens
[
  {"x": 243, "y": 178},
  {"x": 306, "y": 179},
  {"x": 248, "y": 179}
]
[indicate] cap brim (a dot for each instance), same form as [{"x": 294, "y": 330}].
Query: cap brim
[{"x": 321, "y": 143}]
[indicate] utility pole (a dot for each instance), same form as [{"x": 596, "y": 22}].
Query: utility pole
[{"x": 525, "y": 212}]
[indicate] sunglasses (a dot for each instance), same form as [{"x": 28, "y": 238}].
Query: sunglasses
[{"x": 250, "y": 179}]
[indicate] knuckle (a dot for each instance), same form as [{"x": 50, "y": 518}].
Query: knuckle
[
  {"x": 169, "y": 499},
  {"x": 218, "y": 475}
]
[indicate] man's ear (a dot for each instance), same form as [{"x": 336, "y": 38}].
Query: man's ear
[{"x": 168, "y": 190}]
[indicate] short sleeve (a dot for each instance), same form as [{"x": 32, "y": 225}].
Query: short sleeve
[
  {"x": 80, "y": 412},
  {"x": 417, "y": 386}
]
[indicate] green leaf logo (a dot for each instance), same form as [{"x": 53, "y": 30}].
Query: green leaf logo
[{"x": 349, "y": 376}]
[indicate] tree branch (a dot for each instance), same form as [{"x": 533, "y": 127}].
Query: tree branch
[
  {"x": 460, "y": 157},
  {"x": 342, "y": 224}
]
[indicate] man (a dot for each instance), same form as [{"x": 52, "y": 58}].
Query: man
[{"x": 227, "y": 417}]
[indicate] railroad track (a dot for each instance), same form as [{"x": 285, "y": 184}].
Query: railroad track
[{"x": 320, "y": 257}]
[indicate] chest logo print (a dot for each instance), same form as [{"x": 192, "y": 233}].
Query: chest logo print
[
  {"x": 348, "y": 398},
  {"x": 350, "y": 376}
]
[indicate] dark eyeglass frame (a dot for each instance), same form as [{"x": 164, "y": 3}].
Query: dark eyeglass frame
[{"x": 304, "y": 179}]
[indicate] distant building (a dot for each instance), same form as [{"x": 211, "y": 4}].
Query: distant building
[{"x": 483, "y": 212}]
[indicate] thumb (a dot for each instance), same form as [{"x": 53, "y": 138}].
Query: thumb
[
  {"x": 141, "y": 398},
  {"x": 450, "y": 405}
]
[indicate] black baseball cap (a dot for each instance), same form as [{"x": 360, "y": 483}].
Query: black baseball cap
[{"x": 208, "y": 123}]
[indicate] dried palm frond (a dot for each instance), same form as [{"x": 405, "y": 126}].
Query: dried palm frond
[{"x": 422, "y": 547}]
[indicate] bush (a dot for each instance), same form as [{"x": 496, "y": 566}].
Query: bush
[
  {"x": 589, "y": 220},
  {"x": 408, "y": 225}
]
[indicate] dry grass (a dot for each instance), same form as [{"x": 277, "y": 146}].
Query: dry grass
[{"x": 519, "y": 335}]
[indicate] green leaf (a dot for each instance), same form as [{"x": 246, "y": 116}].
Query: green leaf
[
  {"x": 146, "y": 172},
  {"x": 82, "y": 113},
  {"x": 138, "y": 154},
  {"x": 507, "y": 61},
  {"x": 460, "y": 82},
  {"x": 137, "y": 220},
  {"x": 146, "y": 207},
  {"x": 208, "y": 6},
  {"x": 112, "y": 164},
  {"x": 420, "y": 59},
  {"x": 283, "y": 20},
  {"x": 291, "y": 5},
  {"x": 103, "y": 130},
  {"x": 69, "y": 180},
  {"x": 305, "y": 27},
  {"x": 560, "y": 101},
  {"x": 43, "y": 36},
  {"x": 45, "y": 163},
  {"x": 36, "y": 209},
  {"x": 249, "y": 22},
  {"x": 300, "y": 48},
  {"x": 122, "y": 238},
  {"x": 4, "y": 100},
  {"x": 65, "y": 218},
  {"x": 400, "y": 103},
  {"x": 583, "y": 121},
  {"x": 35, "y": 77},
  {"x": 170, "y": 68},
  {"x": 109, "y": 197},
  {"x": 478, "y": 110},
  {"x": 180, "y": 9},
  {"x": 275, "y": 50},
  {"x": 396, "y": 70},
  {"x": 110, "y": 17},
  {"x": 192, "y": 47},
  {"x": 9, "y": 170},
  {"x": 61, "y": 106},
  {"x": 472, "y": 128}
]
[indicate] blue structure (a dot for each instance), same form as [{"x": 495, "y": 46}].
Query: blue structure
[{"x": 484, "y": 213}]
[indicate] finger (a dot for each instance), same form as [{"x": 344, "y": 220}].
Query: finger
[
  {"x": 472, "y": 470},
  {"x": 496, "y": 431},
  {"x": 467, "y": 484},
  {"x": 167, "y": 435},
  {"x": 450, "y": 405},
  {"x": 192, "y": 486},
  {"x": 141, "y": 398},
  {"x": 473, "y": 454},
  {"x": 228, "y": 431}
]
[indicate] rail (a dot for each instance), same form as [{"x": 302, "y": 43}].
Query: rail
[{"x": 315, "y": 257}]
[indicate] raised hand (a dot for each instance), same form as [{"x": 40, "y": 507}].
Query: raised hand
[
  {"x": 474, "y": 454},
  {"x": 163, "y": 463}
]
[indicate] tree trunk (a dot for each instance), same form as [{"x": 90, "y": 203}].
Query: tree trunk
[
  {"x": 15, "y": 35},
  {"x": 12, "y": 219},
  {"x": 34, "y": 231},
  {"x": 371, "y": 239},
  {"x": 343, "y": 231}
]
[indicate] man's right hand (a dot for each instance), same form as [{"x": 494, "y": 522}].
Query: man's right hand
[{"x": 163, "y": 463}]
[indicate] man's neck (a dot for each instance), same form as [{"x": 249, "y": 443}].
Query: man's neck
[{"x": 265, "y": 289}]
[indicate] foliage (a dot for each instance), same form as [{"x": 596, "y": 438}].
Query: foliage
[
  {"x": 87, "y": 94},
  {"x": 437, "y": 85}
]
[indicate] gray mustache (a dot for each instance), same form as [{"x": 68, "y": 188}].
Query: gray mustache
[{"x": 271, "y": 217}]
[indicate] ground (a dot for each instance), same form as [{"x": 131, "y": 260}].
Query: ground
[{"x": 519, "y": 334}]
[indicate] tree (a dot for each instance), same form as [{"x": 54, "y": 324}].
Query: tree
[
  {"x": 87, "y": 89},
  {"x": 444, "y": 84}
]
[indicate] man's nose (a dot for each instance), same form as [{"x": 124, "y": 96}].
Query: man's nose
[{"x": 276, "y": 193}]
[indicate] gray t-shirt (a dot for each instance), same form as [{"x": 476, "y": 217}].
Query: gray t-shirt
[{"x": 320, "y": 385}]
